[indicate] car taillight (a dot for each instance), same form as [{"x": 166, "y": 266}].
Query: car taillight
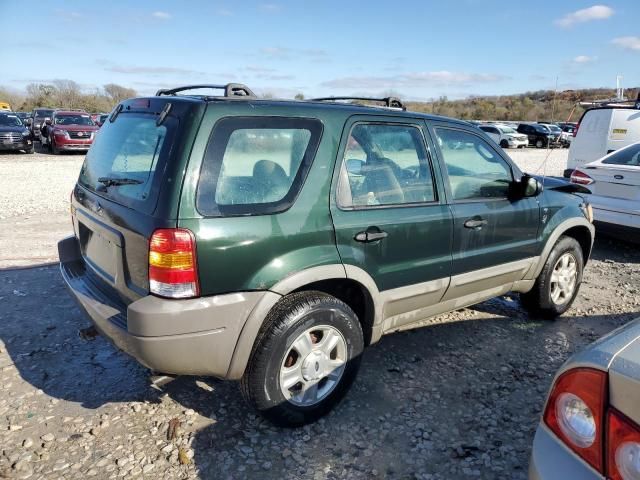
[
  {"x": 581, "y": 178},
  {"x": 623, "y": 447},
  {"x": 575, "y": 130},
  {"x": 575, "y": 413},
  {"x": 173, "y": 270}
]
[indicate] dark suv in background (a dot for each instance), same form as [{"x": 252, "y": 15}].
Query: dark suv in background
[
  {"x": 38, "y": 117},
  {"x": 14, "y": 135},
  {"x": 68, "y": 130},
  {"x": 271, "y": 241},
  {"x": 539, "y": 135}
]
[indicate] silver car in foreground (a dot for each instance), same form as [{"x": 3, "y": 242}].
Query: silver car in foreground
[{"x": 590, "y": 428}]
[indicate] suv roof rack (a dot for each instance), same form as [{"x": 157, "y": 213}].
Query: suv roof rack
[
  {"x": 389, "y": 102},
  {"x": 613, "y": 102},
  {"x": 230, "y": 90}
]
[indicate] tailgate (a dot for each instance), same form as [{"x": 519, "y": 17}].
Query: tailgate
[{"x": 129, "y": 186}]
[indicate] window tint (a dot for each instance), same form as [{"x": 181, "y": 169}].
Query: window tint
[
  {"x": 475, "y": 170},
  {"x": 129, "y": 148},
  {"x": 629, "y": 156},
  {"x": 256, "y": 165},
  {"x": 385, "y": 165}
]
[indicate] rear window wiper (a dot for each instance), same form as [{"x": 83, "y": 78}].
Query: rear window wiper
[{"x": 115, "y": 181}]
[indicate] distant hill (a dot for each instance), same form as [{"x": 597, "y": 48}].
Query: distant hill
[{"x": 531, "y": 106}]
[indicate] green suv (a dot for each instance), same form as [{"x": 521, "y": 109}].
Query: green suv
[{"x": 271, "y": 241}]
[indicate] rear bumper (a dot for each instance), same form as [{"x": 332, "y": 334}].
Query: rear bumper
[
  {"x": 552, "y": 460},
  {"x": 181, "y": 337}
]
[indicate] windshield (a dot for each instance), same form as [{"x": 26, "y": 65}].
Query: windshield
[
  {"x": 43, "y": 113},
  {"x": 542, "y": 128},
  {"x": 507, "y": 130},
  {"x": 10, "y": 121},
  {"x": 79, "y": 119}
]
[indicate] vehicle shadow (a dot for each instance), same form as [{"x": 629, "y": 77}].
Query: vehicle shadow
[
  {"x": 445, "y": 397},
  {"x": 613, "y": 248}
]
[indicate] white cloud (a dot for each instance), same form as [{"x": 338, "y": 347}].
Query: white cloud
[
  {"x": 596, "y": 12},
  {"x": 629, "y": 43},
  {"x": 582, "y": 59},
  {"x": 161, "y": 15},
  {"x": 224, "y": 12},
  {"x": 414, "y": 79},
  {"x": 270, "y": 7}
]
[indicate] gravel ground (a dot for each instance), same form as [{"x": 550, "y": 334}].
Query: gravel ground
[{"x": 459, "y": 398}]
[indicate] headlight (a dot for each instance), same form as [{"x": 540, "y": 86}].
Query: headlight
[
  {"x": 587, "y": 210},
  {"x": 63, "y": 133},
  {"x": 26, "y": 133}
]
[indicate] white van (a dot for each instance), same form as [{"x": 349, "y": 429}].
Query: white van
[{"x": 601, "y": 131}]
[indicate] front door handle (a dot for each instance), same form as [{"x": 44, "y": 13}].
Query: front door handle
[
  {"x": 475, "y": 223},
  {"x": 371, "y": 234}
]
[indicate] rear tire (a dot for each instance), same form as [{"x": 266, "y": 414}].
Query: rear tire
[
  {"x": 504, "y": 144},
  {"x": 559, "y": 281},
  {"x": 293, "y": 377},
  {"x": 539, "y": 143}
]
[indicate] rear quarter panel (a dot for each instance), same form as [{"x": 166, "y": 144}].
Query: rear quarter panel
[{"x": 255, "y": 252}]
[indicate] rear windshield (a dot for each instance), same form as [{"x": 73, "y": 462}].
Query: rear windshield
[
  {"x": 629, "y": 156},
  {"x": 256, "y": 165},
  {"x": 124, "y": 157}
]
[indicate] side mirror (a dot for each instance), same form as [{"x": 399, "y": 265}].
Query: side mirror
[
  {"x": 354, "y": 166},
  {"x": 47, "y": 121},
  {"x": 530, "y": 186}
]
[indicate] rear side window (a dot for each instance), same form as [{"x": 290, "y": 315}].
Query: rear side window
[
  {"x": 256, "y": 165},
  {"x": 125, "y": 155},
  {"x": 629, "y": 156}
]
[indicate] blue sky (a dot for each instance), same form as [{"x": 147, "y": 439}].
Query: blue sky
[{"x": 418, "y": 49}]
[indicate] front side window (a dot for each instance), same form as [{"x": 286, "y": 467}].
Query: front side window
[
  {"x": 256, "y": 165},
  {"x": 629, "y": 157},
  {"x": 385, "y": 165},
  {"x": 474, "y": 169}
]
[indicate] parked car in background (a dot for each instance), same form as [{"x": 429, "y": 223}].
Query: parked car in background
[
  {"x": 102, "y": 118},
  {"x": 38, "y": 117},
  {"x": 590, "y": 427},
  {"x": 330, "y": 222},
  {"x": 505, "y": 136},
  {"x": 5, "y": 107},
  {"x": 569, "y": 130},
  {"x": 556, "y": 130},
  {"x": 614, "y": 181},
  {"x": 68, "y": 130},
  {"x": 14, "y": 135},
  {"x": 601, "y": 131},
  {"x": 539, "y": 135},
  {"x": 23, "y": 115}
]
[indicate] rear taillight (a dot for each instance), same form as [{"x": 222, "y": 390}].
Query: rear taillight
[
  {"x": 173, "y": 270},
  {"x": 581, "y": 178},
  {"x": 623, "y": 447},
  {"x": 575, "y": 412},
  {"x": 575, "y": 130}
]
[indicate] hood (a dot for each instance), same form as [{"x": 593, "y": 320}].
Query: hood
[
  {"x": 554, "y": 183},
  {"x": 19, "y": 129},
  {"x": 76, "y": 128}
]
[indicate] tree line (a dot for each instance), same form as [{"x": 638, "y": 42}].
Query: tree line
[
  {"x": 66, "y": 94},
  {"x": 542, "y": 105}
]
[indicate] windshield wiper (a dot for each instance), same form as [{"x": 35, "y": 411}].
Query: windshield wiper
[{"x": 116, "y": 181}]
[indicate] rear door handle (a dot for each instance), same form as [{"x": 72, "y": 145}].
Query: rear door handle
[
  {"x": 371, "y": 234},
  {"x": 475, "y": 223}
]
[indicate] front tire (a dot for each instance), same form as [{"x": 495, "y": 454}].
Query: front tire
[
  {"x": 539, "y": 143},
  {"x": 304, "y": 360},
  {"x": 53, "y": 148},
  {"x": 504, "y": 144},
  {"x": 559, "y": 281}
]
